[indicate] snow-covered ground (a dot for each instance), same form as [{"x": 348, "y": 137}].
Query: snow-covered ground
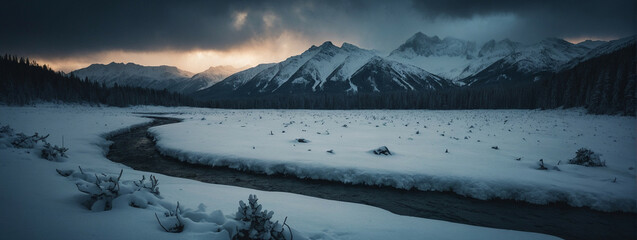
[
  {"x": 432, "y": 150},
  {"x": 41, "y": 204}
]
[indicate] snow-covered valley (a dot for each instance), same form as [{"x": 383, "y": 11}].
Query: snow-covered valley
[
  {"x": 39, "y": 198},
  {"x": 484, "y": 154}
]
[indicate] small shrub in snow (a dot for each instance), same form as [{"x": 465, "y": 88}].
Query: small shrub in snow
[
  {"x": 587, "y": 158},
  {"x": 6, "y": 131},
  {"x": 178, "y": 225},
  {"x": 541, "y": 165},
  {"x": 24, "y": 141},
  {"x": 256, "y": 224},
  {"x": 382, "y": 151},
  {"x": 106, "y": 190},
  {"x": 53, "y": 152},
  {"x": 102, "y": 192},
  {"x": 151, "y": 186}
]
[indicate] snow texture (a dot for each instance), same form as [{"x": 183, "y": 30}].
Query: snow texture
[
  {"x": 418, "y": 141},
  {"x": 41, "y": 204}
]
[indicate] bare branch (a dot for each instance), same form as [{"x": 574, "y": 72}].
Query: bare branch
[
  {"x": 97, "y": 182},
  {"x": 289, "y": 229},
  {"x": 179, "y": 226},
  {"x": 78, "y": 188},
  {"x": 177, "y": 215},
  {"x": 162, "y": 226}
]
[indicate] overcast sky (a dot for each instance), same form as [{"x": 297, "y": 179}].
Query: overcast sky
[{"x": 195, "y": 35}]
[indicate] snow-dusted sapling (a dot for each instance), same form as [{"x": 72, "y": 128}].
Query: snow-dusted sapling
[
  {"x": 6, "y": 131},
  {"x": 587, "y": 158},
  {"x": 257, "y": 224},
  {"x": 53, "y": 152}
]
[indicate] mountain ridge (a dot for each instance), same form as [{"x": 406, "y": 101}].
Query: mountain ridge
[
  {"x": 327, "y": 69},
  {"x": 153, "y": 77}
]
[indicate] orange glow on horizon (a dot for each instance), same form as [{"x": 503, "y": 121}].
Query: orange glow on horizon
[
  {"x": 576, "y": 40},
  {"x": 250, "y": 54}
]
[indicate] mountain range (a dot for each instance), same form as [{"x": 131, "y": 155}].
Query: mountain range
[
  {"x": 421, "y": 63},
  {"x": 154, "y": 77},
  {"x": 326, "y": 69}
]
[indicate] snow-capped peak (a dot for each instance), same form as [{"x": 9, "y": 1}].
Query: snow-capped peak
[
  {"x": 327, "y": 68},
  {"x": 457, "y": 59},
  {"x": 349, "y": 47},
  {"x": 215, "y": 74},
  {"x": 423, "y": 45},
  {"x": 591, "y": 44},
  {"x": 498, "y": 48},
  {"x": 546, "y": 55},
  {"x": 604, "y": 48},
  {"x": 101, "y": 72}
]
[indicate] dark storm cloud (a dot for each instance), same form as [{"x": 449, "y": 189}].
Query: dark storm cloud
[
  {"x": 51, "y": 26},
  {"x": 63, "y": 28},
  {"x": 72, "y": 27},
  {"x": 545, "y": 17}
]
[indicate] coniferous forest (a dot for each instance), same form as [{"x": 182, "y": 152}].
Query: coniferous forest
[
  {"x": 602, "y": 85},
  {"x": 23, "y": 82}
]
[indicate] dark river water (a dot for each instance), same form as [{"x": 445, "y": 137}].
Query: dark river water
[{"x": 137, "y": 150}]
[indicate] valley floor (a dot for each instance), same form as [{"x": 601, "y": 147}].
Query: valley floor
[
  {"x": 484, "y": 154},
  {"x": 41, "y": 204}
]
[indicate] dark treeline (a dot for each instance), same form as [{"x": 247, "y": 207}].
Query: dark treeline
[
  {"x": 23, "y": 82},
  {"x": 603, "y": 85},
  {"x": 522, "y": 96}
]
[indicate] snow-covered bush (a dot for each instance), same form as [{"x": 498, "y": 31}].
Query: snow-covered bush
[
  {"x": 53, "y": 152},
  {"x": 102, "y": 192},
  {"x": 23, "y": 141},
  {"x": 6, "y": 131},
  {"x": 151, "y": 186},
  {"x": 177, "y": 225},
  {"x": 256, "y": 224},
  {"x": 382, "y": 151},
  {"x": 105, "y": 191},
  {"x": 587, "y": 158}
]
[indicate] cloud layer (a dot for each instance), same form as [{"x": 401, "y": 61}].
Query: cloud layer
[{"x": 57, "y": 29}]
